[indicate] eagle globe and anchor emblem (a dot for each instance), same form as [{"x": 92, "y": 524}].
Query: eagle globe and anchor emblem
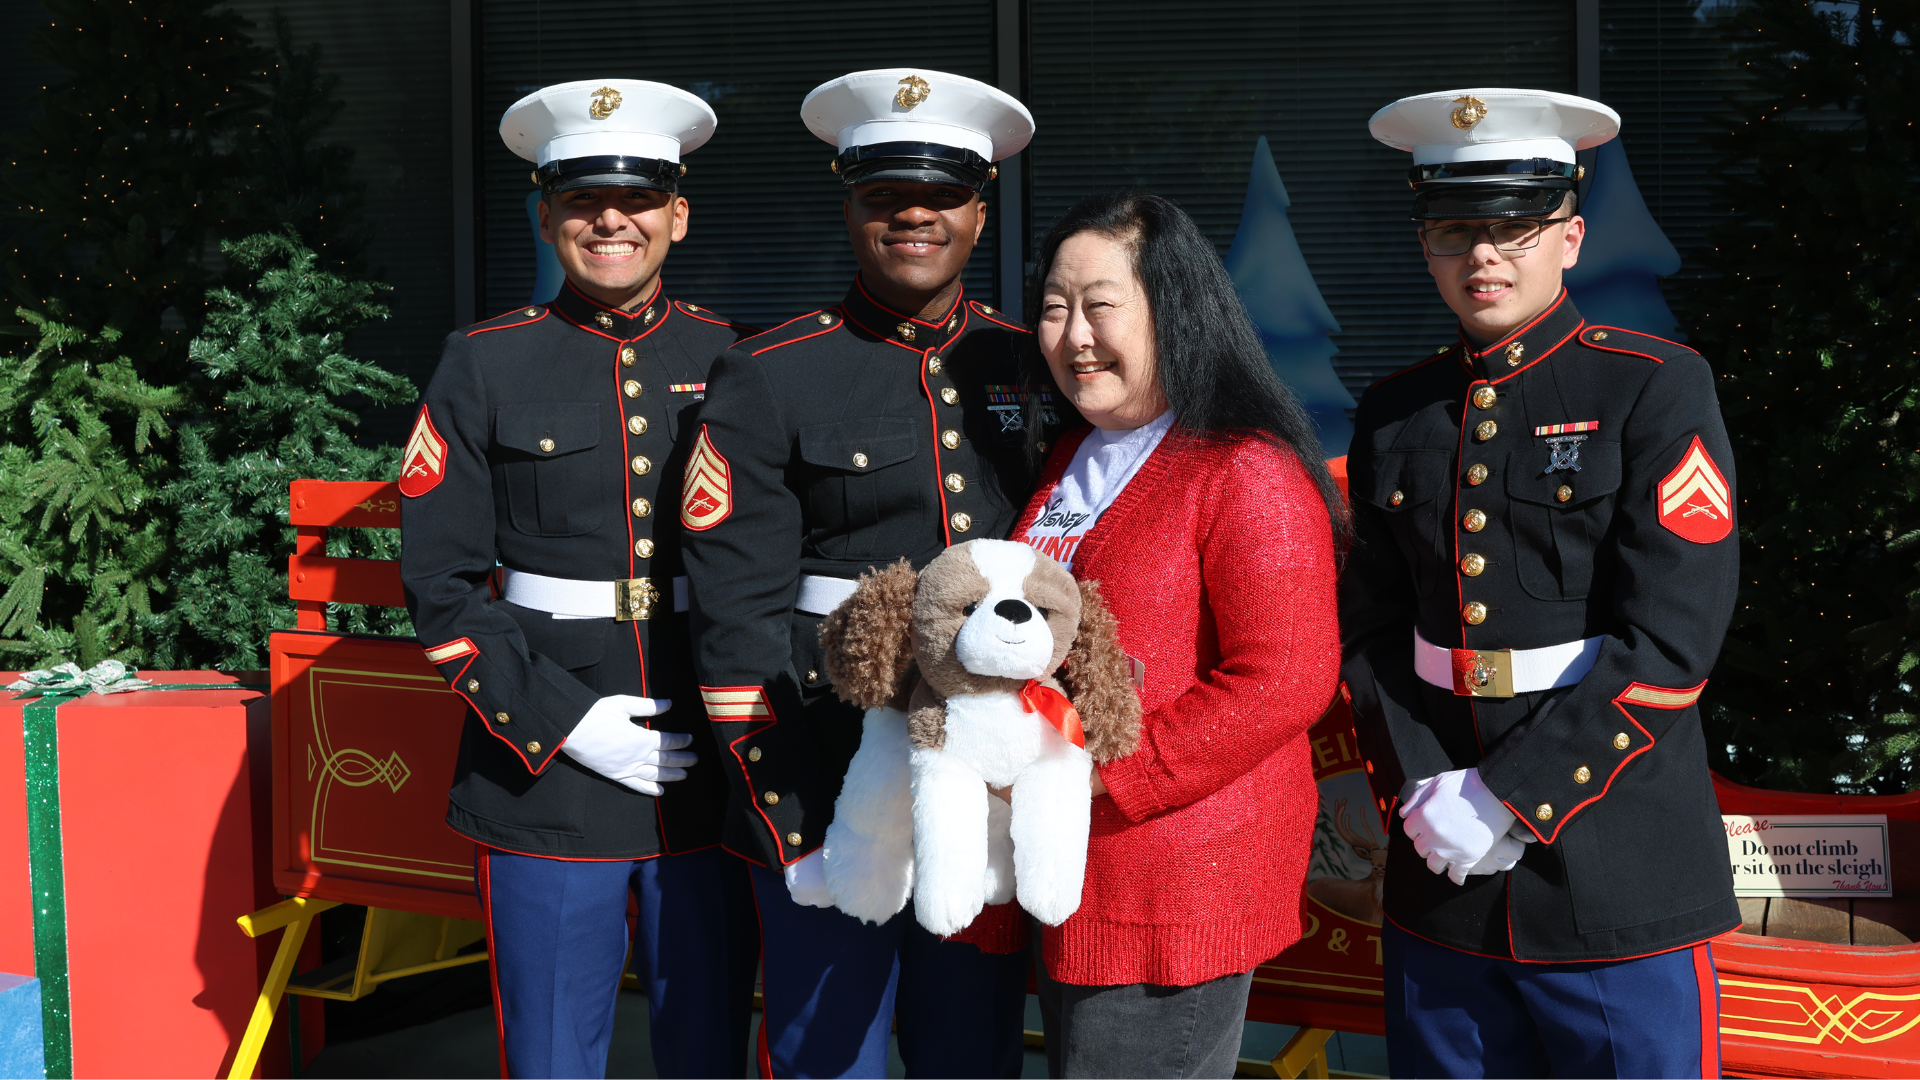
[{"x": 605, "y": 100}]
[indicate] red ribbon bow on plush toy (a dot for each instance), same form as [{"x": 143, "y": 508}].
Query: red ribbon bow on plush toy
[{"x": 1054, "y": 705}]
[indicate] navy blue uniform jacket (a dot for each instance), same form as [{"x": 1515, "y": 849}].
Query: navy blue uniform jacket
[
  {"x": 551, "y": 441},
  {"x": 1468, "y": 530},
  {"x": 845, "y": 439}
]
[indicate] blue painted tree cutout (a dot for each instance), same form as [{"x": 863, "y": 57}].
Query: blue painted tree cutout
[
  {"x": 1615, "y": 283},
  {"x": 1295, "y": 325},
  {"x": 547, "y": 274}
]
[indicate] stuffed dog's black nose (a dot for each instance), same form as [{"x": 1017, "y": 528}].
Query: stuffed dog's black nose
[{"x": 1014, "y": 611}]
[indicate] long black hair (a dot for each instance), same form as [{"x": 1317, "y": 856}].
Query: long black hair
[{"x": 1212, "y": 367}]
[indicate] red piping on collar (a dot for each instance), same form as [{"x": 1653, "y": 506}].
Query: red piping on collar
[
  {"x": 889, "y": 339},
  {"x": 1531, "y": 323},
  {"x": 959, "y": 299},
  {"x": 1575, "y": 332},
  {"x": 658, "y": 283}
]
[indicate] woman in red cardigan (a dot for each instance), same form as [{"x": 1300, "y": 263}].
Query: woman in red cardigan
[{"x": 1199, "y": 501}]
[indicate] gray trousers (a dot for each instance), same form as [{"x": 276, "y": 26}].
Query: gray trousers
[{"x": 1144, "y": 1030}]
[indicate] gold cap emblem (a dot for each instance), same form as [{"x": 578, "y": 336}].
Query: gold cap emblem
[
  {"x": 606, "y": 99},
  {"x": 1471, "y": 111},
  {"x": 913, "y": 90}
]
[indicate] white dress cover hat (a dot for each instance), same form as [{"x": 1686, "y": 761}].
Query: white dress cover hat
[
  {"x": 1493, "y": 151},
  {"x": 918, "y": 125},
  {"x": 607, "y": 133}
]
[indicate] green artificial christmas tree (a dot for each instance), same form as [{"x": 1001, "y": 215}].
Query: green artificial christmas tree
[
  {"x": 82, "y": 554},
  {"x": 171, "y": 134},
  {"x": 1811, "y": 325},
  {"x": 276, "y": 373}
]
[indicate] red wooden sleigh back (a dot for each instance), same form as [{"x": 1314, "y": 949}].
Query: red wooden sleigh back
[{"x": 364, "y": 730}]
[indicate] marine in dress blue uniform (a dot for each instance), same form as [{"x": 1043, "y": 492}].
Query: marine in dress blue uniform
[
  {"x": 843, "y": 440},
  {"x": 1544, "y": 567},
  {"x": 542, "y": 566}
]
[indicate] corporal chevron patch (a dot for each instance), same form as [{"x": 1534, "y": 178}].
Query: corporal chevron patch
[
  {"x": 1696, "y": 502},
  {"x": 706, "y": 494},
  {"x": 424, "y": 464},
  {"x": 735, "y": 703}
]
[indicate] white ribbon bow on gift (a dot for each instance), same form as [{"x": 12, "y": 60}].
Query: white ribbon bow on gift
[{"x": 105, "y": 677}]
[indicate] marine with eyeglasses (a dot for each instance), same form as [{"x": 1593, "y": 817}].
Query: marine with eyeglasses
[{"x": 1544, "y": 566}]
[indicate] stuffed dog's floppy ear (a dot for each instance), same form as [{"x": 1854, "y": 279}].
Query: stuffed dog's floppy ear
[
  {"x": 1099, "y": 681},
  {"x": 869, "y": 639}
]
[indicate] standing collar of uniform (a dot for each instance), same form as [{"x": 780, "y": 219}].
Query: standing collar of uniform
[
  {"x": 1525, "y": 347},
  {"x": 589, "y": 314},
  {"x": 861, "y": 309}
]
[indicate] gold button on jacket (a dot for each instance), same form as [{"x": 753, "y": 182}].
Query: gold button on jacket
[
  {"x": 771, "y": 798},
  {"x": 1475, "y": 613},
  {"x": 1474, "y": 521},
  {"x": 1485, "y": 429},
  {"x": 1477, "y": 475},
  {"x": 1485, "y": 397}
]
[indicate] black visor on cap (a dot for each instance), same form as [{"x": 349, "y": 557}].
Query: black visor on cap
[
  {"x": 1536, "y": 167},
  {"x": 914, "y": 162},
  {"x": 1436, "y": 201},
  {"x": 608, "y": 170}
]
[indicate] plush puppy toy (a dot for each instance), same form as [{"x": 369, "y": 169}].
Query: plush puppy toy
[{"x": 992, "y": 667}]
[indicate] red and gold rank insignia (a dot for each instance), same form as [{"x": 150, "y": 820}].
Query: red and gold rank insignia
[
  {"x": 424, "y": 464},
  {"x": 1696, "y": 502},
  {"x": 706, "y": 497}
]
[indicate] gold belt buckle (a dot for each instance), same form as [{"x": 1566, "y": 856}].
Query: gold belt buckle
[
  {"x": 1484, "y": 673},
  {"x": 633, "y": 599}
]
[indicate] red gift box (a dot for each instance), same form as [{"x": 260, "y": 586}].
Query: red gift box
[{"x": 161, "y": 839}]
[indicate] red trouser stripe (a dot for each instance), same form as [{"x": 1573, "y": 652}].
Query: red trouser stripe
[
  {"x": 493, "y": 970},
  {"x": 1709, "y": 1010}
]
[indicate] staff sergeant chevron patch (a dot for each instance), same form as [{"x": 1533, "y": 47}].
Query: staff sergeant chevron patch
[
  {"x": 707, "y": 493},
  {"x": 424, "y": 464},
  {"x": 1696, "y": 503}
]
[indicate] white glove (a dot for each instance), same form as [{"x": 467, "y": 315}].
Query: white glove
[
  {"x": 1453, "y": 821},
  {"x": 607, "y": 741},
  {"x": 1521, "y": 833},
  {"x": 807, "y": 880}
]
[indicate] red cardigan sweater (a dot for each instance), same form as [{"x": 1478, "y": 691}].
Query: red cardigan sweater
[{"x": 1217, "y": 560}]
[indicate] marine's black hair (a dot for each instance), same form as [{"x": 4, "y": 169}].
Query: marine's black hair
[{"x": 1212, "y": 367}]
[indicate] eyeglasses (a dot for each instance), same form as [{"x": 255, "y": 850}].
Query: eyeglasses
[{"x": 1511, "y": 234}]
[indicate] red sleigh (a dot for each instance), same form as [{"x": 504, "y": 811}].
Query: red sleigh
[{"x": 364, "y": 737}]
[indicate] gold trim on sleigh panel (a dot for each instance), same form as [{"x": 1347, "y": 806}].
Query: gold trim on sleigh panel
[
  {"x": 316, "y": 819},
  {"x": 1833, "y": 1021}
]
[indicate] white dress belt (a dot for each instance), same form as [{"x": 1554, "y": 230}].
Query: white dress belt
[
  {"x": 820, "y": 595},
  {"x": 566, "y": 598},
  {"x": 1504, "y": 672}
]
